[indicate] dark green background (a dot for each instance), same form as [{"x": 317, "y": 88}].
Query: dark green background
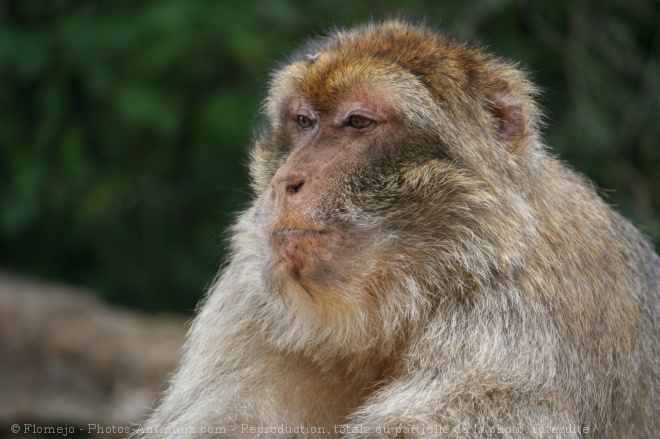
[{"x": 124, "y": 124}]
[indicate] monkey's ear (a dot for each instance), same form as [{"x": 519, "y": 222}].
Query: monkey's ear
[{"x": 507, "y": 112}]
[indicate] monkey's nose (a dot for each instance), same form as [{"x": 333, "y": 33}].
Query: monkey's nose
[
  {"x": 289, "y": 185},
  {"x": 294, "y": 188}
]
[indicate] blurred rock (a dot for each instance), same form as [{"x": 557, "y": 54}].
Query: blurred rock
[{"x": 66, "y": 358}]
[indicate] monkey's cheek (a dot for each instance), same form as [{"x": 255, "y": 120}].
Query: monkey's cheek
[{"x": 300, "y": 254}]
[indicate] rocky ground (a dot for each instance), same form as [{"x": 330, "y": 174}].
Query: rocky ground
[{"x": 68, "y": 360}]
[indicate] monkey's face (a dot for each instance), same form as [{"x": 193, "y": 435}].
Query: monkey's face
[
  {"x": 377, "y": 141},
  {"x": 306, "y": 212},
  {"x": 333, "y": 133}
]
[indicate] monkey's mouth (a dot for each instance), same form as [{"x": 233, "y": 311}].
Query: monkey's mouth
[
  {"x": 301, "y": 232},
  {"x": 301, "y": 252}
]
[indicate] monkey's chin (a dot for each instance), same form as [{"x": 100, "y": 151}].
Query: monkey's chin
[{"x": 307, "y": 256}]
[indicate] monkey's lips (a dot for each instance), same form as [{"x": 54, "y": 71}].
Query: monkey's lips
[{"x": 302, "y": 252}]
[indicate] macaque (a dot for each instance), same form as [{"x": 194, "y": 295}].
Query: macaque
[{"x": 415, "y": 263}]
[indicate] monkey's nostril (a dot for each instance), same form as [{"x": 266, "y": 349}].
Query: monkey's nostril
[{"x": 294, "y": 188}]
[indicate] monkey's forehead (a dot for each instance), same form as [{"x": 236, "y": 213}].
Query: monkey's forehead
[
  {"x": 389, "y": 57},
  {"x": 334, "y": 79}
]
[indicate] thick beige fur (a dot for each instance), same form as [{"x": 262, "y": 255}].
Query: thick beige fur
[{"x": 492, "y": 293}]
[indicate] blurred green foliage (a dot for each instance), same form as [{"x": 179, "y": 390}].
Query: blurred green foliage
[{"x": 124, "y": 125}]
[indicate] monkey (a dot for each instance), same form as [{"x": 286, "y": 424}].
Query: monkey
[{"x": 416, "y": 263}]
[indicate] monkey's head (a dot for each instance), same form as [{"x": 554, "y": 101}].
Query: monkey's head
[{"x": 384, "y": 145}]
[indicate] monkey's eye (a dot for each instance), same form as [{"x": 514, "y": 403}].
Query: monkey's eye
[
  {"x": 359, "y": 122},
  {"x": 304, "y": 122}
]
